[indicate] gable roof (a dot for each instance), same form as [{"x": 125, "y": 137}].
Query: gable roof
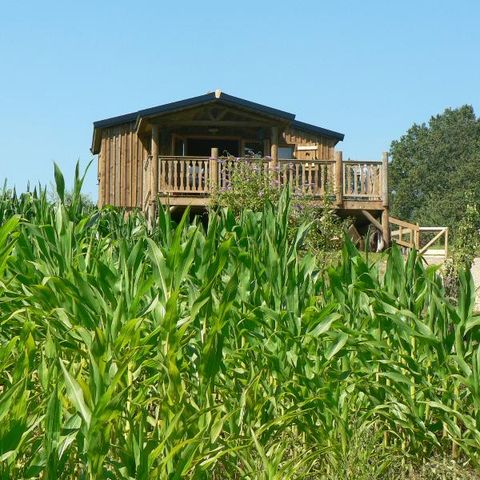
[{"x": 212, "y": 97}]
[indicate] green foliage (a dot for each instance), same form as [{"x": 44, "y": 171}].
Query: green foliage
[
  {"x": 222, "y": 352},
  {"x": 252, "y": 185},
  {"x": 467, "y": 238},
  {"x": 433, "y": 166},
  {"x": 465, "y": 246}
]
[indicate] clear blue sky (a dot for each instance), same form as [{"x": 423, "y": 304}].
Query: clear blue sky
[{"x": 366, "y": 68}]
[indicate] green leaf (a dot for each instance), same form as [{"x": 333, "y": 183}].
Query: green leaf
[
  {"x": 75, "y": 394},
  {"x": 336, "y": 346},
  {"x": 59, "y": 183}
]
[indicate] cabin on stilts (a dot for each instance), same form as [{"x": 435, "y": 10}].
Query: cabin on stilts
[{"x": 179, "y": 152}]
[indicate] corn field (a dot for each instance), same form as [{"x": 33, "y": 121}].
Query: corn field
[{"x": 179, "y": 350}]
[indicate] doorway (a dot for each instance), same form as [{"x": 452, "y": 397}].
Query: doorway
[{"x": 202, "y": 147}]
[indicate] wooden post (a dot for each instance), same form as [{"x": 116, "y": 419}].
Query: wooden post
[
  {"x": 339, "y": 177},
  {"x": 385, "y": 221},
  {"x": 213, "y": 168},
  {"x": 385, "y": 227},
  {"x": 101, "y": 176},
  {"x": 446, "y": 242},
  {"x": 274, "y": 147},
  {"x": 385, "y": 179},
  {"x": 155, "y": 147},
  {"x": 153, "y": 171}
]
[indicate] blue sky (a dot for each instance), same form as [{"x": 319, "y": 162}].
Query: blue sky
[{"x": 366, "y": 68}]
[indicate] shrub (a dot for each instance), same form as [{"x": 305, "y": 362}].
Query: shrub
[
  {"x": 251, "y": 186},
  {"x": 465, "y": 245}
]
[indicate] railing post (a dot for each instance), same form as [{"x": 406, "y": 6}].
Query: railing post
[
  {"x": 213, "y": 169},
  {"x": 385, "y": 179},
  {"x": 339, "y": 177},
  {"x": 154, "y": 165},
  {"x": 385, "y": 220},
  {"x": 274, "y": 147},
  {"x": 446, "y": 242}
]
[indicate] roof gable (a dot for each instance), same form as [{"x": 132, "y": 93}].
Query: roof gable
[
  {"x": 213, "y": 97},
  {"x": 216, "y": 97}
]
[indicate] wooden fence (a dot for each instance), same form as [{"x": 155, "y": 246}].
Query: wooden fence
[
  {"x": 431, "y": 241},
  {"x": 193, "y": 176}
]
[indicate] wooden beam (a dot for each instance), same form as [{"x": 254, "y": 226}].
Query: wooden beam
[
  {"x": 433, "y": 240},
  {"x": 385, "y": 227},
  {"x": 211, "y": 123},
  {"x": 385, "y": 179},
  {"x": 373, "y": 220},
  {"x": 339, "y": 177},
  {"x": 362, "y": 204},
  {"x": 213, "y": 169},
  {"x": 355, "y": 236},
  {"x": 155, "y": 148},
  {"x": 102, "y": 179},
  {"x": 274, "y": 146}
]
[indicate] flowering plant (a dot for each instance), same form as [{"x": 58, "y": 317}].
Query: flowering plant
[{"x": 250, "y": 184}]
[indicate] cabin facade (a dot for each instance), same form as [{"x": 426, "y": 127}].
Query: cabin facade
[{"x": 179, "y": 152}]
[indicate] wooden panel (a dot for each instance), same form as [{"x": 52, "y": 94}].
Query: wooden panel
[
  {"x": 101, "y": 175},
  {"x": 122, "y": 165},
  {"x": 322, "y": 148},
  {"x": 111, "y": 149},
  {"x": 121, "y": 161}
]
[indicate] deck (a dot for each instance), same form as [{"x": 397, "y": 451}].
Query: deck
[{"x": 355, "y": 184}]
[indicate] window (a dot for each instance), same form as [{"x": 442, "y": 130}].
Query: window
[{"x": 285, "y": 152}]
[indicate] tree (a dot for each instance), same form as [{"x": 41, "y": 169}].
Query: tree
[{"x": 434, "y": 167}]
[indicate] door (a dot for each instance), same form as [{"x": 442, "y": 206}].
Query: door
[{"x": 202, "y": 147}]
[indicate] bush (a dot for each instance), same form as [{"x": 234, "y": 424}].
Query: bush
[
  {"x": 251, "y": 186},
  {"x": 465, "y": 246}
]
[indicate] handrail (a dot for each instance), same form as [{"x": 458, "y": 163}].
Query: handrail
[
  {"x": 409, "y": 235},
  {"x": 315, "y": 162},
  {"x": 362, "y": 162},
  {"x": 442, "y": 232},
  {"x": 410, "y": 230}
]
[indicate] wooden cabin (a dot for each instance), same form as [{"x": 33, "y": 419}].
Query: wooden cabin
[{"x": 178, "y": 152}]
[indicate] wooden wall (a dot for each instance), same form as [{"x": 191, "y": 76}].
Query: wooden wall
[
  {"x": 123, "y": 156},
  {"x": 120, "y": 167},
  {"x": 309, "y": 146}
]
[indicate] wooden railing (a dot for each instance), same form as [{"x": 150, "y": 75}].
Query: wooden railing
[
  {"x": 186, "y": 175},
  {"x": 362, "y": 180},
  {"x": 226, "y": 166},
  {"x": 436, "y": 244},
  {"x": 431, "y": 241},
  {"x": 404, "y": 234},
  {"x": 308, "y": 177},
  {"x": 199, "y": 175}
]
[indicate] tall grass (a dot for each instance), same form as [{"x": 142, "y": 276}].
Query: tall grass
[{"x": 171, "y": 351}]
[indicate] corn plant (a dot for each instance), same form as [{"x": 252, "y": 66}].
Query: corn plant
[{"x": 177, "y": 350}]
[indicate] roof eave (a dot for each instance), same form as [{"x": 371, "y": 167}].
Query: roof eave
[{"x": 307, "y": 127}]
